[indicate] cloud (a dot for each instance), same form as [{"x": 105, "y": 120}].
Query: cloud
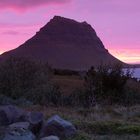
[
  {"x": 10, "y": 32},
  {"x": 27, "y": 4},
  {"x": 127, "y": 55}
]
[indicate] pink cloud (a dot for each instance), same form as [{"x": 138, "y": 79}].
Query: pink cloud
[
  {"x": 27, "y": 4},
  {"x": 10, "y": 32},
  {"x": 115, "y": 21},
  {"x": 126, "y": 54}
]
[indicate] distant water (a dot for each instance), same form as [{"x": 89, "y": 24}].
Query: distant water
[{"x": 136, "y": 73}]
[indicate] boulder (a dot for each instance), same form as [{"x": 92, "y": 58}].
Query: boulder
[
  {"x": 58, "y": 127},
  {"x": 9, "y": 101},
  {"x": 19, "y": 131},
  {"x": 23, "y": 102},
  {"x": 18, "y": 136},
  {"x": 35, "y": 119},
  {"x": 10, "y": 114},
  {"x": 20, "y": 125},
  {"x": 50, "y": 138},
  {"x": 4, "y": 100},
  {"x": 3, "y": 129}
]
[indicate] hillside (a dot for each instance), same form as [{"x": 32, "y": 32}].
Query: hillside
[{"x": 65, "y": 44}]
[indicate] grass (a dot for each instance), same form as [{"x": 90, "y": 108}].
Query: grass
[
  {"x": 80, "y": 136},
  {"x": 105, "y": 137},
  {"x": 129, "y": 129},
  {"x": 68, "y": 84},
  {"x": 99, "y": 123},
  {"x": 108, "y": 128}
]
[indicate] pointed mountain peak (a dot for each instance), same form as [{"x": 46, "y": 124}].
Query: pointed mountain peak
[
  {"x": 65, "y": 26},
  {"x": 61, "y": 19},
  {"x": 65, "y": 43}
]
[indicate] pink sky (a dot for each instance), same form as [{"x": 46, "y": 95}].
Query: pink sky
[{"x": 117, "y": 22}]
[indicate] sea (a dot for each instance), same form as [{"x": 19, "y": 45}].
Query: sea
[{"x": 136, "y": 73}]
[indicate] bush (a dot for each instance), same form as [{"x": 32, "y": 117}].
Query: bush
[
  {"x": 131, "y": 96},
  {"x": 65, "y": 72},
  {"x": 81, "y": 98},
  {"x": 106, "y": 83},
  {"x": 22, "y": 77}
]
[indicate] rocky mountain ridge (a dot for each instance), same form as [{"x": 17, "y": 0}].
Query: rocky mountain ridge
[{"x": 65, "y": 44}]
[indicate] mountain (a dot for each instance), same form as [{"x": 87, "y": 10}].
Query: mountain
[{"x": 66, "y": 44}]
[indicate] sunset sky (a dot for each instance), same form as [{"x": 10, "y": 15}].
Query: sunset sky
[{"x": 117, "y": 22}]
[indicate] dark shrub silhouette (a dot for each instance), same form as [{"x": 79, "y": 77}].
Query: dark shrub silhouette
[
  {"x": 22, "y": 77},
  {"x": 107, "y": 83}
]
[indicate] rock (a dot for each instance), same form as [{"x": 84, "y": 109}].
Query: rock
[
  {"x": 9, "y": 101},
  {"x": 20, "y": 125},
  {"x": 50, "y": 138},
  {"x": 19, "y": 136},
  {"x": 19, "y": 131},
  {"x": 3, "y": 129},
  {"x": 23, "y": 102},
  {"x": 35, "y": 119},
  {"x": 10, "y": 114},
  {"x": 4, "y": 100},
  {"x": 58, "y": 127}
]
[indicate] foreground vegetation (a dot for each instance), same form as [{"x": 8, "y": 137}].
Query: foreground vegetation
[
  {"x": 99, "y": 122},
  {"x": 103, "y": 103},
  {"x": 34, "y": 80}
]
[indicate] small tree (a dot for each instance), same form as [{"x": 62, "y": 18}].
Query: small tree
[{"x": 106, "y": 83}]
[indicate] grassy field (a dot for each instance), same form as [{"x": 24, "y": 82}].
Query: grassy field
[
  {"x": 68, "y": 84},
  {"x": 96, "y": 123},
  {"x": 99, "y": 123}
]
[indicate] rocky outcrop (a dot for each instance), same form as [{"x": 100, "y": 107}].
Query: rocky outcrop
[
  {"x": 50, "y": 138},
  {"x": 66, "y": 44},
  {"x": 19, "y": 131},
  {"x": 10, "y": 114},
  {"x": 19, "y": 125},
  {"x": 16, "y": 124},
  {"x": 58, "y": 127},
  {"x": 36, "y": 120},
  {"x": 4, "y": 100}
]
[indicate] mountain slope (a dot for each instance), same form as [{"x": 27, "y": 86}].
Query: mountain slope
[{"x": 66, "y": 44}]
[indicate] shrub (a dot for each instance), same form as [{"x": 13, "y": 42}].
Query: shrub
[
  {"x": 106, "y": 83},
  {"x": 66, "y": 72},
  {"x": 131, "y": 96},
  {"x": 22, "y": 77},
  {"x": 82, "y": 98}
]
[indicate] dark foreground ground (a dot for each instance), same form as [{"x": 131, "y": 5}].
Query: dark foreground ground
[{"x": 99, "y": 123}]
